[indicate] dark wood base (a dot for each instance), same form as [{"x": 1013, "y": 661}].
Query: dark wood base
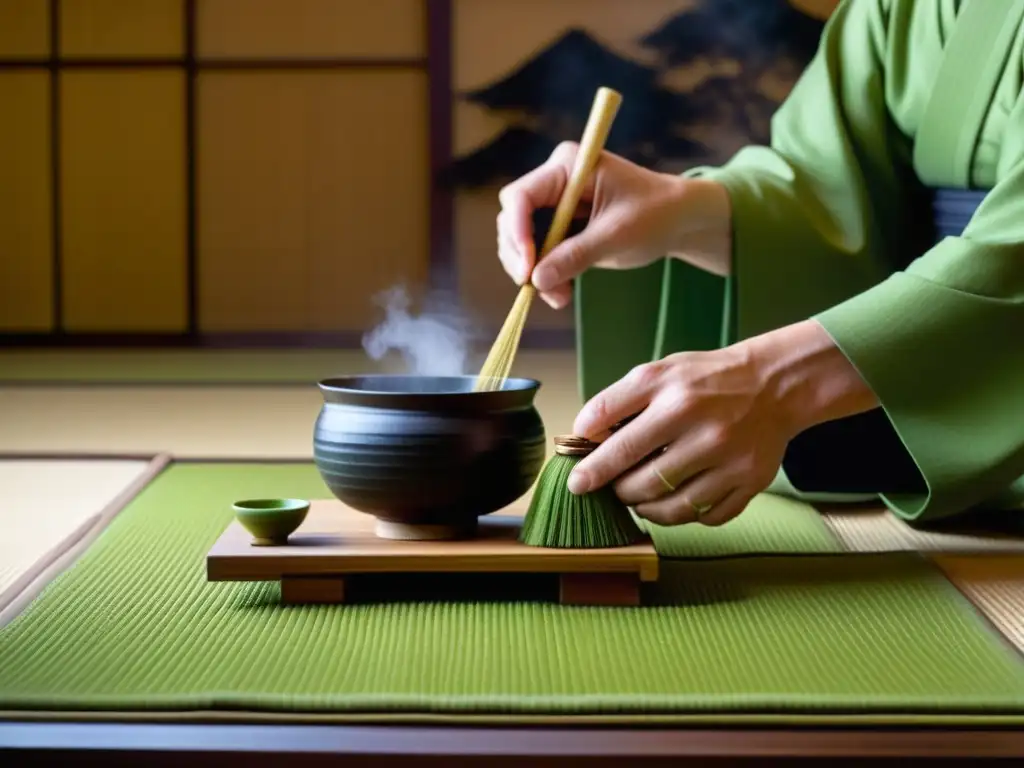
[
  {"x": 619, "y": 589},
  {"x": 610, "y": 589},
  {"x": 308, "y": 590},
  {"x": 339, "y": 555},
  {"x": 265, "y": 745}
]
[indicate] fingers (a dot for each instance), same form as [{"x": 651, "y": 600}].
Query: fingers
[
  {"x": 662, "y": 474},
  {"x": 574, "y": 255},
  {"x": 711, "y": 498},
  {"x": 516, "y": 262},
  {"x": 648, "y": 430},
  {"x": 516, "y": 248},
  {"x": 618, "y": 402},
  {"x": 622, "y": 450},
  {"x": 518, "y": 265},
  {"x": 540, "y": 188},
  {"x": 727, "y": 509},
  {"x": 558, "y": 298}
]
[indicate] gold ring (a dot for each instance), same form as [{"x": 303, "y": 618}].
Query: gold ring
[
  {"x": 701, "y": 509},
  {"x": 661, "y": 477}
]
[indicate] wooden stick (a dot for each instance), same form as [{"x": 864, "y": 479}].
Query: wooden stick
[
  {"x": 595, "y": 135},
  {"x": 599, "y": 124}
]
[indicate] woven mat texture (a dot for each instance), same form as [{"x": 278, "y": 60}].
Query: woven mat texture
[{"x": 135, "y": 626}]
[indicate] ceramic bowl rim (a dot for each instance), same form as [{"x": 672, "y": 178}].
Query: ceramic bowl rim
[
  {"x": 346, "y": 391},
  {"x": 328, "y": 384},
  {"x": 284, "y": 505}
]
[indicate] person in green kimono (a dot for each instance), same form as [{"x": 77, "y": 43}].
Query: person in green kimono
[{"x": 814, "y": 329}]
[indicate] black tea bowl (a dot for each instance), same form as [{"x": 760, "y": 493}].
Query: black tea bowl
[{"x": 426, "y": 455}]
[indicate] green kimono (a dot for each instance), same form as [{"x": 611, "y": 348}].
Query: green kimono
[{"x": 829, "y": 222}]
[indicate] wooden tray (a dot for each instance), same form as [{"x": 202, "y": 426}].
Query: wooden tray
[{"x": 335, "y": 541}]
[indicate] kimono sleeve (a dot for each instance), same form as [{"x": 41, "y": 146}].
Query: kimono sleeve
[{"x": 942, "y": 346}]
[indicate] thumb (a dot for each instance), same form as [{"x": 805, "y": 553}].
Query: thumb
[{"x": 573, "y": 256}]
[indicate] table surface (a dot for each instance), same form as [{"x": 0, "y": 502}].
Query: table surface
[
  {"x": 336, "y": 539},
  {"x": 259, "y": 744}
]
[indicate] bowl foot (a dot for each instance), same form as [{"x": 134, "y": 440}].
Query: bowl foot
[
  {"x": 385, "y": 529},
  {"x": 262, "y": 541}
]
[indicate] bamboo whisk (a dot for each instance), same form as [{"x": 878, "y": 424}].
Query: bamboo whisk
[{"x": 498, "y": 365}]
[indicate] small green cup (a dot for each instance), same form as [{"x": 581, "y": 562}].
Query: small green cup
[{"x": 271, "y": 521}]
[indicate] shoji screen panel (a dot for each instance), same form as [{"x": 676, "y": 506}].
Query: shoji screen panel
[
  {"x": 26, "y": 261},
  {"x": 122, "y": 28},
  {"x": 310, "y": 28},
  {"x": 313, "y": 186},
  {"x": 123, "y": 200},
  {"x": 24, "y": 29},
  {"x": 491, "y": 39},
  {"x": 313, "y": 195}
]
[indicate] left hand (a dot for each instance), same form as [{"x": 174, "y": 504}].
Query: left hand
[
  {"x": 713, "y": 427},
  {"x": 722, "y": 433}
]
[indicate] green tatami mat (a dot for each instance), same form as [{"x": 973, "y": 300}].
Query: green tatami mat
[
  {"x": 769, "y": 525},
  {"x": 135, "y": 626}
]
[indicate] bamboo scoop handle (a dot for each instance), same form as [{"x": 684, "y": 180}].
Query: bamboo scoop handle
[
  {"x": 499, "y": 361},
  {"x": 599, "y": 124}
]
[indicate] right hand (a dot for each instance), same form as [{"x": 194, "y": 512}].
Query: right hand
[{"x": 636, "y": 217}]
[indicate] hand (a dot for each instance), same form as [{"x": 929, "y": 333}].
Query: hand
[
  {"x": 717, "y": 423},
  {"x": 714, "y": 430},
  {"x": 636, "y": 216}
]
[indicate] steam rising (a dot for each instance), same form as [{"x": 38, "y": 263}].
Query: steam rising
[{"x": 436, "y": 342}]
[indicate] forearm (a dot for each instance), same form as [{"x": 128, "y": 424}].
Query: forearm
[
  {"x": 704, "y": 238},
  {"x": 807, "y": 377}
]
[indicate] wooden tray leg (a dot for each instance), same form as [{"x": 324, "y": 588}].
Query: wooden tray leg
[
  {"x": 299, "y": 590},
  {"x": 599, "y": 589}
]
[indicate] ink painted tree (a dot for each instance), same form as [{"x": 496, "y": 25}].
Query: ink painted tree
[
  {"x": 756, "y": 49},
  {"x": 548, "y": 99}
]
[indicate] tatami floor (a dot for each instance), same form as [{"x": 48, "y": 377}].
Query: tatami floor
[
  {"x": 202, "y": 403},
  {"x": 75, "y": 413},
  {"x": 59, "y": 409}
]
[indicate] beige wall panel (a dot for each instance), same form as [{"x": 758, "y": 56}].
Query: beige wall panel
[
  {"x": 251, "y": 193},
  {"x": 311, "y": 28},
  {"x": 491, "y": 38},
  {"x": 313, "y": 195},
  {"x": 122, "y": 28},
  {"x": 123, "y": 201},
  {"x": 26, "y": 274},
  {"x": 24, "y": 28}
]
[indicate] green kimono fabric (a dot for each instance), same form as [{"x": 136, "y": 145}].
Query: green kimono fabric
[{"x": 831, "y": 222}]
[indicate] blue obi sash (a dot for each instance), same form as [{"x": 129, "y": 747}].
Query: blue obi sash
[{"x": 952, "y": 209}]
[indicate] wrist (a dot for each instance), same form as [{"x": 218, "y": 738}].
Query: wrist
[
  {"x": 807, "y": 377},
  {"x": 703, "y": 236}
]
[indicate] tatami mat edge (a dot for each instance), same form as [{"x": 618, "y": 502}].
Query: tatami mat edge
[
  {"x": 994, "y": 584},
  {"x": 875, "y": 529},
  {"x": 35, "y": 579}
]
